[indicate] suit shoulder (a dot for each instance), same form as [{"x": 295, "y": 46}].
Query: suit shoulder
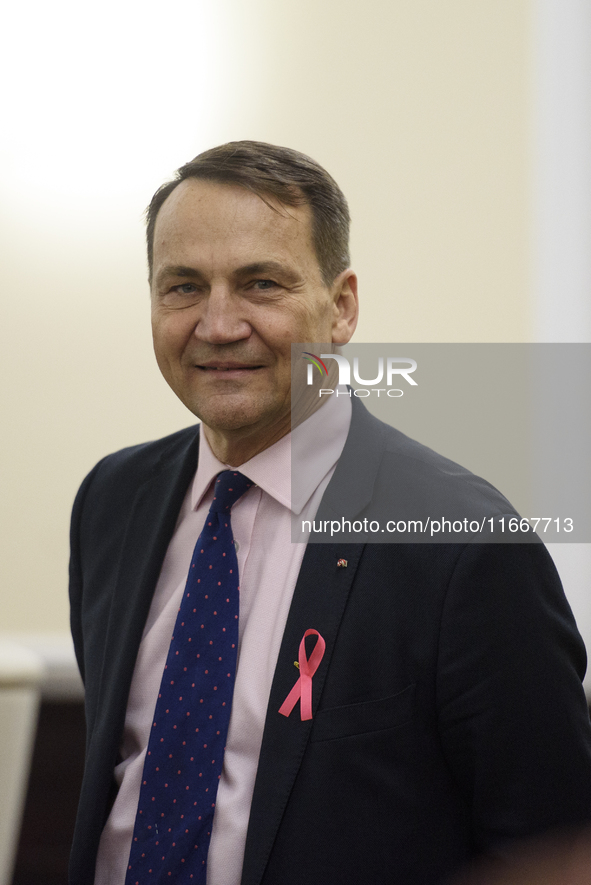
[
  {"x": 438, "y": 478},
  {"x": 129, "y": 467},
  {"x": 388, "y": 467},
  {"x": 149, "y": 454}
]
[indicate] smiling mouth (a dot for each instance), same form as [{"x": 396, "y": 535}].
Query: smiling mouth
[{"x": 227, "y": 369}]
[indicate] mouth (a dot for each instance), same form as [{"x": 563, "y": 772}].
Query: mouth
[{"x": 228, "y": 369}]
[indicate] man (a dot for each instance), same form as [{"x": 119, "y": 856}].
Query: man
[{"x": 439, "y": 714}]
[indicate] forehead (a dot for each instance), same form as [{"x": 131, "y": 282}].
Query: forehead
[{"x": 206, "y": 220}]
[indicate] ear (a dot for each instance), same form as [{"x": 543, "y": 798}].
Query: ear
[{"x": 346, "y": 306}]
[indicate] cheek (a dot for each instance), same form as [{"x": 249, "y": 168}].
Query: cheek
[
  {"x": 315, "y": 321},
  {"x": 306, "y": 321},
  {"x": 170, "y": 334}
]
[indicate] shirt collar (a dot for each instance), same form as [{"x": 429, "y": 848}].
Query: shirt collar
[{"x": 316, "y": 446}]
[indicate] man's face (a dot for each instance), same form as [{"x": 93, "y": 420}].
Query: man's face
[{"x": 234, "y": 284}]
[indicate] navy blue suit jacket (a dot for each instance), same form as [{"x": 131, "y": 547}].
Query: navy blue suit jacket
[{"x": 448, "y": 713}]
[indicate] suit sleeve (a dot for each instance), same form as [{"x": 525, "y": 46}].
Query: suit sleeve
[
  {"x": 513, "y": 716},
  {"x": 75, "y": 569}
]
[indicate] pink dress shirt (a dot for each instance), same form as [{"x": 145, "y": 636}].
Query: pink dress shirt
[{"x": 269, "y": 565}]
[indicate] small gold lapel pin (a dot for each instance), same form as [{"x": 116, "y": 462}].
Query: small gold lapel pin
[
  {"x": 342, "y": 563},
  {"x": 296, "y": 664}
]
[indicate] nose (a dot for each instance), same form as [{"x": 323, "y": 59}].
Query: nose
[{"x": 221, "y": 320}]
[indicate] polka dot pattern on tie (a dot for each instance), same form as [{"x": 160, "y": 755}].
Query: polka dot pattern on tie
[{"x": 186, "y": 748}]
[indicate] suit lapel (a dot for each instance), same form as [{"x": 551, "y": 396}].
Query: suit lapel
[
  {"x": 319, "y": 600},
  {"x": 351, "y": 488},
  {"x": 148, "y": 531}
]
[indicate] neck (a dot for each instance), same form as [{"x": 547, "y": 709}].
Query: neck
[{"x": 235, "y": 449}]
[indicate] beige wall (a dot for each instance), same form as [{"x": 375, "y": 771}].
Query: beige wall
[{"x": 418, "y": 107}]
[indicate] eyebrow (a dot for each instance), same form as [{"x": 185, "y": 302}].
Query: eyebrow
[
  {"x": 267, "y": 267},
  {"x": 177, "y": 270}
]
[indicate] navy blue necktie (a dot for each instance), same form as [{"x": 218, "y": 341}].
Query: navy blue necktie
[{"x": 185, "y": 752}]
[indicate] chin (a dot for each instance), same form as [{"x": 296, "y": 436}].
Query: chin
[{"x": 229, "y": 413}]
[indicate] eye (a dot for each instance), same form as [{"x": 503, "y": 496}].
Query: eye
[
  {"x": 179, "y": 296},
  {"x": 264, "y": 284}
]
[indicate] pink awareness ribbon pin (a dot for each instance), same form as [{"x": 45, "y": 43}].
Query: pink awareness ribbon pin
[{"x": 302, "y": 690}]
